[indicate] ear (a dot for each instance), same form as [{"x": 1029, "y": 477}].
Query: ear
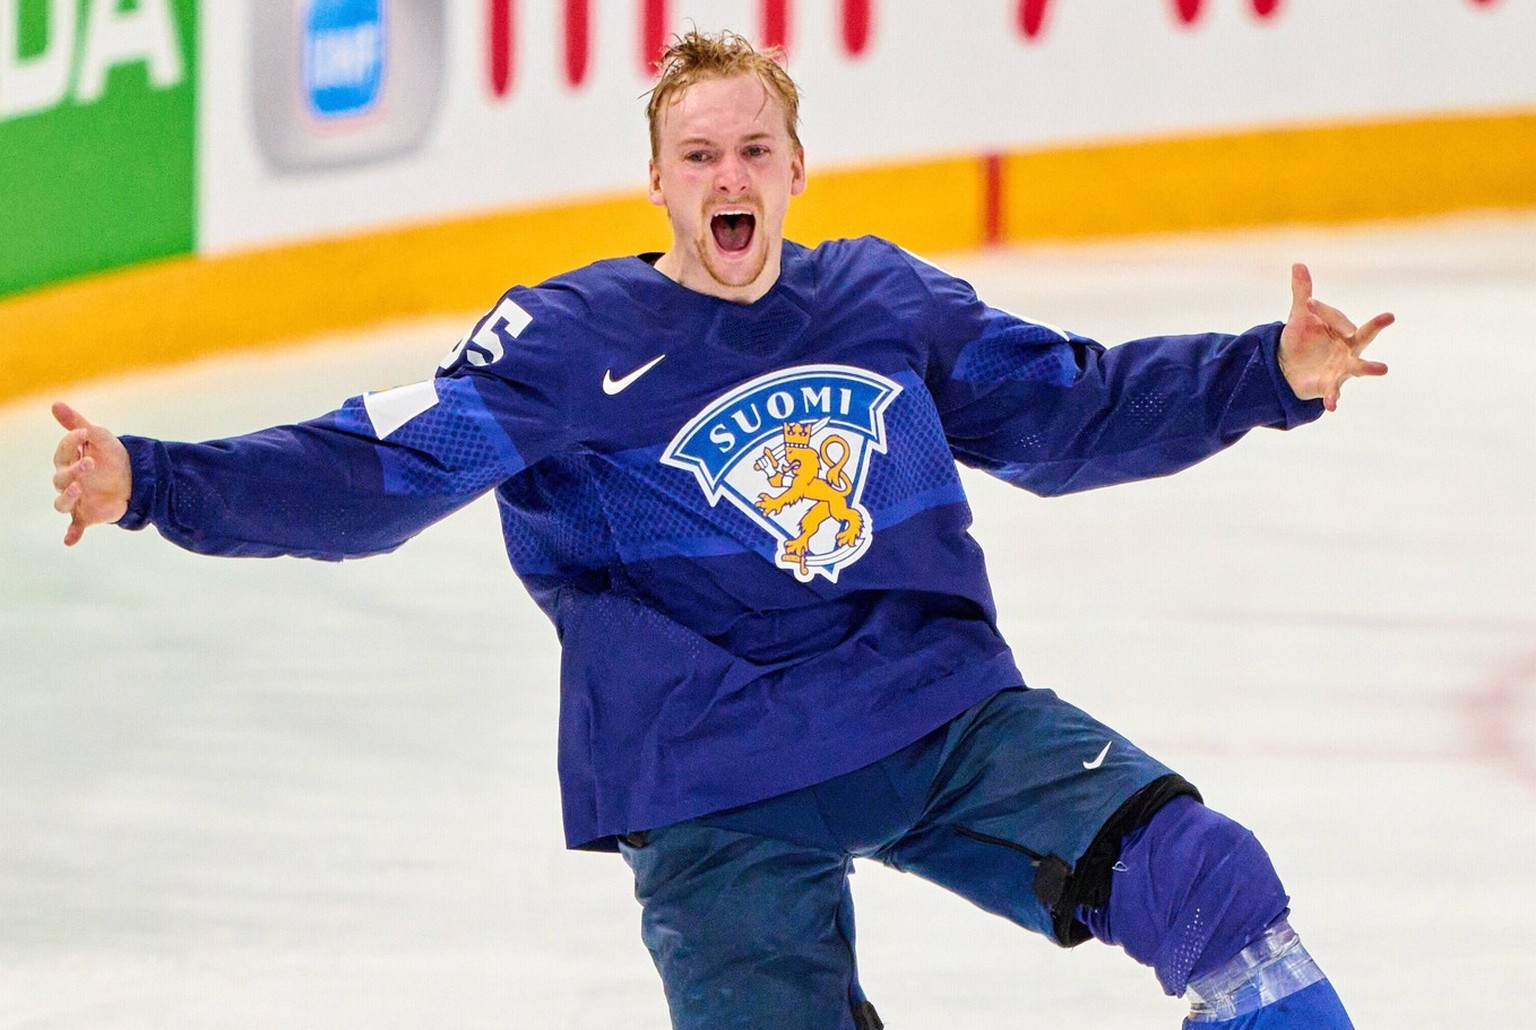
[
  {"x": 797, "y": 173},
  {"x": 656, "y": 195}
]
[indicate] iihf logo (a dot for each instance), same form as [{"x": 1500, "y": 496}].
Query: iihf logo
[
  {"x": 345, "y": 58},
  {"x": 792, "y": 449}
]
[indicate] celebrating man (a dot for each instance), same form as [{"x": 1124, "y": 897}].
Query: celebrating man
[{"x": 727, "y": 474}]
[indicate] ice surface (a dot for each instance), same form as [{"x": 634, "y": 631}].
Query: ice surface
[{"x": 245, "y": 794}]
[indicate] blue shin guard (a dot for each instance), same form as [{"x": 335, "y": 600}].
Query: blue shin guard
[{"x": 1195, "y": 896}]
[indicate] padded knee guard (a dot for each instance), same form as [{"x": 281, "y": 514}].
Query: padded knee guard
[{"x": 1190, "y": 891}]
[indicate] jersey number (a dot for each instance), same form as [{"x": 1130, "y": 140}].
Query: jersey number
[{"x": 491, "y": 337}]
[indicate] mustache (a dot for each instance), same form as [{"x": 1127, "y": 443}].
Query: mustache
[{"x": 749, "y": 200}]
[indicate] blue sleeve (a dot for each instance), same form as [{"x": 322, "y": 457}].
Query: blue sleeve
[
  {"x": 1055, "y": 413},
  {"x": 365, "y": 478}
]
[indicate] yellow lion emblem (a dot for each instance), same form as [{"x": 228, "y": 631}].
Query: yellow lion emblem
[{"x": 802, "y": 478}]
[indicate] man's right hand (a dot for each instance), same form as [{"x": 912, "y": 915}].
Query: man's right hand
[{"x": 91, "y": 472}]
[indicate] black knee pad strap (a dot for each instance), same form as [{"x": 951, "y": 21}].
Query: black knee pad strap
[
  {"x": 1062, "y": 888},
  {"x": 866, "y": 1018}
]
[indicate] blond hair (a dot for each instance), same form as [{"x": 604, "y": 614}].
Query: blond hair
[{"x": 698, "y": 57}]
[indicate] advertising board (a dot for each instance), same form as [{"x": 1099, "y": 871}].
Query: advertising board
[
  {"x": 97, "y": 153},
  {"x": 540, "y": 102},
  {"x": 336, "y": 82}
]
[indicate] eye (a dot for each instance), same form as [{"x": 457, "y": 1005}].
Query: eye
[
  {"x": 696, "y": 156},
  {"x": 755, "y": 150}
]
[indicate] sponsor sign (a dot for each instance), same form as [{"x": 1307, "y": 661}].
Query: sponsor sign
[
  {"x": 343, "y": 82},
  {"x": 97, "y": 147},
  {"x": 547, "y": 96}
]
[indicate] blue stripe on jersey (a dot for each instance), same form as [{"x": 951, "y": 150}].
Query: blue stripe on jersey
[
  {"x": 455, "y": 447},
  {"x": 1023, "y": 352}
]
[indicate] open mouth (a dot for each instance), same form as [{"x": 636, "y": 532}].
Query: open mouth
[{"x": 733, "y": 230}]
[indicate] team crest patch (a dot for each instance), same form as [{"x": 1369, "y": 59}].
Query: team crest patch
[{"x": 791, "y": 449}]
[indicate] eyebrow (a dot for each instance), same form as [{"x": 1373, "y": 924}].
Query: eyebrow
[{"x": 694, "y": 141}]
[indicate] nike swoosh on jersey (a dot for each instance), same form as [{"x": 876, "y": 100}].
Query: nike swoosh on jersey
[
  {"x": 1099, "y": 760},
  {"x": 613, "y": 387}
]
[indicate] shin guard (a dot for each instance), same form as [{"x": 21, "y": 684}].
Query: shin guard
[{"x": 1191, "y": 890}]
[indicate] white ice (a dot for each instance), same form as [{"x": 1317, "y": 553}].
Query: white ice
[{"x": 244, "y": 794}]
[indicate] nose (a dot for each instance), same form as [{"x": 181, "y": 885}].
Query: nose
[{"x": 731, "y": 175}]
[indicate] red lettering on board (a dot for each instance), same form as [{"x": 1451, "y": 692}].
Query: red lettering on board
[
  {"x": 774, "y": 30},
  {"x": 653, "y": 34},
  {"x": 578, "y": 40},
  {"x": 1032, "y": 13},
  {"x": 776, "y": 26},
  {"x": 501, "y": 35},
  {"x": 857, "y": 17},
  {"x": 1189, "y": 11}
]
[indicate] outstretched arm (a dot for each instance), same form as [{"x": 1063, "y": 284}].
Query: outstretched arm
[
  {"x": 1320, "y": 348},
  {"x": 356, "y": 481},
  {"x": 91, "y": 473}
]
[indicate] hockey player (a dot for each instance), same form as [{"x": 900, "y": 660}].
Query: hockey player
[{"x": 726, "y": 473}]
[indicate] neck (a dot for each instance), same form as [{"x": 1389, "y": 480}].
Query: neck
[{"x": 697, "y": 278}]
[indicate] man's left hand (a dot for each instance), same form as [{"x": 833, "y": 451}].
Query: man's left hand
[{"x": 1320, "y": 348}]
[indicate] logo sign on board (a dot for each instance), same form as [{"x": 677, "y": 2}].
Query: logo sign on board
[
  {"x": 345, "y": 54},
  {"x": 98, "y": 115},
  {"x": 343, "y": 82}
]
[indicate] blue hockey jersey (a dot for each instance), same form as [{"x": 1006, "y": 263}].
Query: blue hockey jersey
[{"x": 744, "y": 521}]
